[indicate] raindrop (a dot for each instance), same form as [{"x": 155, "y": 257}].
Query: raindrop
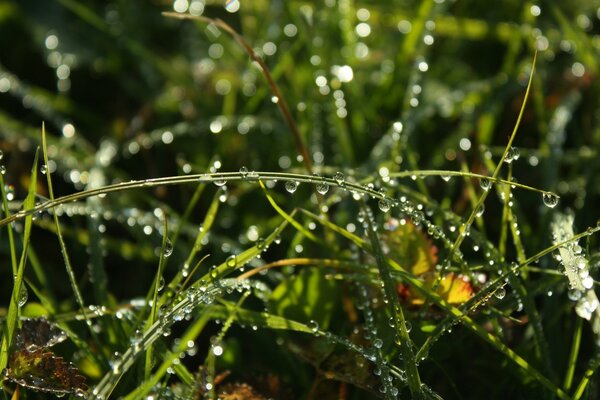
[
  {"x": 378, "y": 343},
  {"x": 220, "y": 182},
  {"x": 446, "y": 178},
  {"x": 244, "y": 171},
  {"x": 322, "y": 187},
  {"x": 384, "y": 205},
  {"x": 23, "y": 295},
  {"x": 291, "y": 186},
  {"x": 408, "y": 326},
  {"x": 313, "y": 325},
  {"x": 168, "y": 250},
  {"x": 1, "y": 154},
  {"x": 550, "y": 199},
  {"x": 485, "y": 184},
  {"x": 44, "y": 169},
  {"x": 339, "y": 177},
  {"x": 161, "y": 284},
  {"x": 2, "y": 169},
  {"x": 500, "y": 293}
]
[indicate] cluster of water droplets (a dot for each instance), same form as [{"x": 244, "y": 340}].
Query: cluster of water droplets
[{"x": 576, "y": 269}]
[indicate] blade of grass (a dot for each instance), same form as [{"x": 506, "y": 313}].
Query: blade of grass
[
  {"x": 15, "y": 298},
  {"x": 496, "y": 172},
  {"x": 281, "y": 102},
  {"x": 286, "y": 216},
  {"x": 587, "y": 376},
  {"x": 11, "y": 238},
  {"x": 574, "y": 355},
  {"x": 65, "y": 254},
  {"x": 389, "y": 287},
  {"x": 158, "y": 283}
]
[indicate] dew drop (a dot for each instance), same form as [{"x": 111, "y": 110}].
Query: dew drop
[
  {"x": 384, "y": 205},
  {"x": 231, "y": 261},
  {"x": 480, "y": 210},
  {"x": 446, "y": 178},
  {"x": 161, "y": 284},
  {"x": 322, "y": 188},
  {"x": 1, "y": 154},
  {"x": 23, "y": 295},
  {"x": 291, "y": 186},
  {"x": 550, "y": 199},
  {"x": 587, "y": 282},
  {"x": 339, "y": 177},
  {"x": 512, "y": 154},
  {"x": 168, "y": 250},
  {"x": 217, "y": 350},
  {"x": 260, "y": 244},
  {"x": 485, "y": 184},
  {"x": 44, "y": 169},
  {"x": 244, "y": 171},
  {"x": 2, "y": 169},
  {"x": 313, "y": 325},
  {"x": 378, "y": 343},
  {"x": 500, "y": 293}
]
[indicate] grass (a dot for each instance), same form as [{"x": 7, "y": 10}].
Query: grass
[{"x": 345, "y": 200}]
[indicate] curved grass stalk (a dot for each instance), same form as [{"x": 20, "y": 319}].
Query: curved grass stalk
[
  {"x": 218, "y": 177},
  {"x": 264, "y": 68}
]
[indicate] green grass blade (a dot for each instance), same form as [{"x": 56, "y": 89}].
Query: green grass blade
[
  {"x": 286, "y": 216},
  {"x": 15, "y": 298},
  {"x": 158, "y": 285},
  {"x": 65, "y": 254},
  {"x": 389, "y": 286}
]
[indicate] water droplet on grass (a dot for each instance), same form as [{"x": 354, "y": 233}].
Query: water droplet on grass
[
  {"x": 500, "y": 293},
  {"x": 313, "y": 325},
  {"x": 339, "y": 177},
  {"x": 480, "y": 210},
  {"x": 512, "y": 154},
  {"x": 244, "y": 171},
  {"x": 446, "y": 178},
  {"x": 23, "y": 295},
  {"x": 322, "y": 188},
  {"x": 44, "y": 169},
  {"x": 231, "y": 261},
  {"x": 168, "y": 250},
  {"x": 291, "y": 186},
  {"x": 485, "y": 184},
  {"x": 550, "y": 199},
  {"x": 384, "y": 205}
]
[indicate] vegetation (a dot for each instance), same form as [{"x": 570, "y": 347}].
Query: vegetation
[{"x": 299, "y": 200}]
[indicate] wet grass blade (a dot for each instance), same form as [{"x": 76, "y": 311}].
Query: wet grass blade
[{"x": 15, "y": 298}]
